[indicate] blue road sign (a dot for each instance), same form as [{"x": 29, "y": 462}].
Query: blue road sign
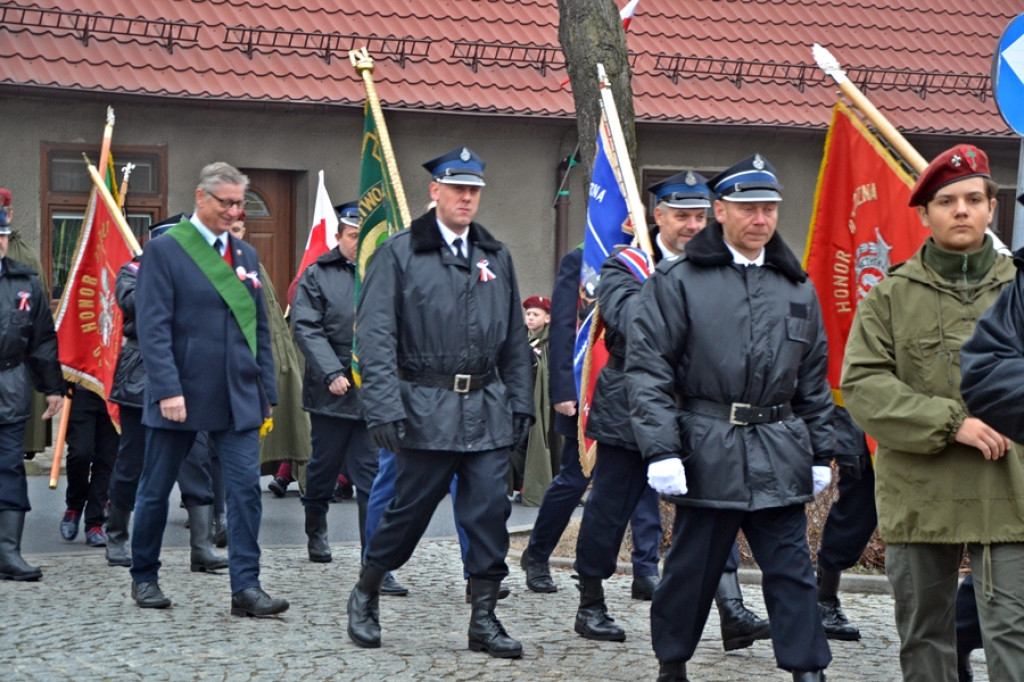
[{"x": 1008, "y": 75}]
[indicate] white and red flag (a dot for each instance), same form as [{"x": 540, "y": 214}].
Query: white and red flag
[{"x": 323, "y": 235}]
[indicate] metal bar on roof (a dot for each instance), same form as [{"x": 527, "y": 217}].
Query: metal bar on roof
[
  {"x": 325, "y": 45},
  {"x": 89, "y": 24},
  {"x": 538, "y": 56}
]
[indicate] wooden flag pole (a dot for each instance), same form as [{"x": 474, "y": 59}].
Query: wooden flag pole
[
  {"x": 620, "y": 159},
  {"x": 830, "y": 65},
  {"x": 108, "y": 134},
  {"x": 115, "y": 212},
  {"x": 128, "y": 168},
  {"x": 58, "y": 445},
  {"x": 363, "y": 63}
]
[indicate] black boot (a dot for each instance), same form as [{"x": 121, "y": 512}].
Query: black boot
[
  {"x": 316, "y": 530},
  {"x": 808, "y": 676},
  {"x": 592, "y": 619},
  {"x": 643, "y": 587},
  {"x": 118, "y": 552},
  {"x": 836, "y": 625},
  {"x": 740, "y": 626},
  {"x": 364, "y": 608},
  {"x": 485, "y": 630},
  {"x": 12, "y": 566},
  {"x": 964, "y": 671},
  {"x": 204, "y": 559},
  {"x": 219, "y": 530},
  {"x": 673, "y": 671}
]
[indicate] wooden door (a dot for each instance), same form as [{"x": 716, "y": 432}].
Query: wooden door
[{"x": 270, "y": 224}]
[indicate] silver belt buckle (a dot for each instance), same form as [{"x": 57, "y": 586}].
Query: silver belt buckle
[
  {"x": 462, "y": 383},
  {"x": 732, "y": 414}
]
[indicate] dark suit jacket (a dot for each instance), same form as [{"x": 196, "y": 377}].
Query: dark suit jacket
[
  {"x": 562, "y": 337},
  {"x": 192, "y": 345}
]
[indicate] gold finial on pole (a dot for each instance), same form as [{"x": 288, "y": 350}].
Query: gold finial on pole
[{"x": 363, "y": 63}]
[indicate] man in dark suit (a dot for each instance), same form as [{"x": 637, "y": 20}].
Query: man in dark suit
[{"x": 205, "y": 344}]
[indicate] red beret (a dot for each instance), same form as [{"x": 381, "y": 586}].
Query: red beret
[
  {"x": 542, "y": 302},
  {"x": 5, "y": 196},
  {"x": 959, "y": 163}
]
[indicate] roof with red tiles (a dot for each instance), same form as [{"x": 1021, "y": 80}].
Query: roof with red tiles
[{"x": 924, "y": 63}]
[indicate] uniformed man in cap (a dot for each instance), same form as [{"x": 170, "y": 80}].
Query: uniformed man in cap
[
  {"x": 620, "y": 477},
  {"x": 447, "y": 387},
  {"x": 28, "y": 357},
  {"x": 322, "y": 317},
  {"x": 726, "y": 374}
]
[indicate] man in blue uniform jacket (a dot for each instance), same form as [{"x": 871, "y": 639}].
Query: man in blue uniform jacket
[{"x": 206, "y": 347}]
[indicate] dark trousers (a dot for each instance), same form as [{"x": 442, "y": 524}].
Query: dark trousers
[
  {"x": 92, "y": 444},
  {"x": 620, "y": 481},
  {"x": 561, "y": 499},
  {"x": 239, "y": 453},
  {"x": 702, "y": 541},
  {"x": 383, "y": 491},
  {"x": 195, "y": 477},
  {"x": 338, "y": 443},
  {"x": 850, "y": 522},
  {"x": 13, "y": 486},
  {"x": 423, "y": 478}
]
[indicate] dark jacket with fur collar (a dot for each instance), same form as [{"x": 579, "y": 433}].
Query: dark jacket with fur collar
[
  {"x": 711, "y": 330},
  {"x": 423, "y": 310}
]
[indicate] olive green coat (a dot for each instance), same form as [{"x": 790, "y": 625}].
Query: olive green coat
[
  {"x": 901, "y": 384},
  {"x": 290, "y": 438}
]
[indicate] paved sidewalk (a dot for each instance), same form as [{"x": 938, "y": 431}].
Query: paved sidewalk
[{"x": 79, "y": 623}]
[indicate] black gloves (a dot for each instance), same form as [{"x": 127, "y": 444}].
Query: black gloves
[
  {"x": 388, "y": 436},
  {"x": 520, "y": 430}
]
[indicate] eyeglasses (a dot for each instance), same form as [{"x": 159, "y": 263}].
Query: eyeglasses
[{"x": 226, "y": 204}]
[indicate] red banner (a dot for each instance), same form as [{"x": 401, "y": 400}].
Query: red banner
[
  {"x": 88, "y": 318},
  {"x": 861, "y": 225}
]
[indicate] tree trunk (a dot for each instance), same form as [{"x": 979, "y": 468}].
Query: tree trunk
[{"x": 591, "y": 32}]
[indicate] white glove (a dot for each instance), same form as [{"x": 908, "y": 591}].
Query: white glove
[
  {"x": 822, "y": 477},
  {"x": 667, "y": 476}
]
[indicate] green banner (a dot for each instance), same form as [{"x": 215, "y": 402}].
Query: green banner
[{"x": 379, "y": 216}]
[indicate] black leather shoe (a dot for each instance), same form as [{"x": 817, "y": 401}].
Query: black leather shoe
[
  {"x": 592, "y": 619},
  {"x": 808, "y": 676},
  {"x": 836, "y": 625},
  {"x": 149, "y": 596},
  {"x": 256, "y": 603},
  {"x": 392, "y": 588},
  {"x": 278, "y": 486},
  {"x": 672, "y": 671},
  {"x": 643, "y": 587},
  {"x": 538, "y": 574},
  {"x": 364, "y": 608}
]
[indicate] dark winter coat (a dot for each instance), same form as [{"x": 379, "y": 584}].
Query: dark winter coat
[
  {"x": 130, "y": 374},
  {"x": 618, "y": 294},
  {"x": 322, "y": 316},
  {"x": 708, "y": 329},
  {"x": 565, "y": 302},
  {"x": 28, "y": 342},
  {"x": 425, "y": 310}
]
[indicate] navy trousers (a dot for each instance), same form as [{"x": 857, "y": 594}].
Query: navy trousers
[
  {"x": 338, "y": 443},
  {"x": 561, "y": 499},
  {"x": 423, "y": 479},
  {"x": 239, "y": 453},
  {"x": 13, "y": 486},
  {"x": 702, "y": 541}
]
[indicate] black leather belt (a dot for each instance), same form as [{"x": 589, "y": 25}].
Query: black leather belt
[
  {"x": 460, "y": 383},
  {"x": 616, "y": 363},
  {"x": 740, "y": 413},
  {"x": 12, "y": 362}
]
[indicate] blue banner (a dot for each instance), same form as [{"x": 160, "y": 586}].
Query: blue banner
[{"x": 606, "y": 214}]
